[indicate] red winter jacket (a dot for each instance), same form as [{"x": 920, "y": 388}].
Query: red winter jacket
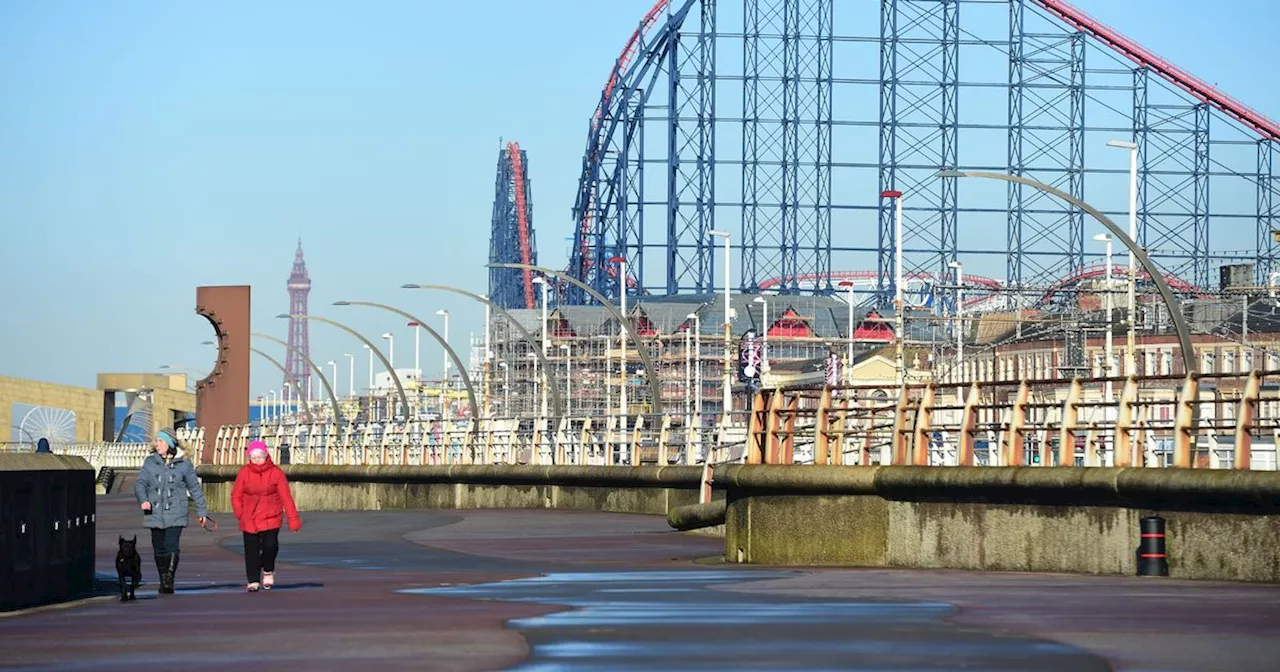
[{"x": 261, "y": 497}]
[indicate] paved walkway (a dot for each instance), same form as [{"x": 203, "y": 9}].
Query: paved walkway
[{"x": 543, "y": 590}]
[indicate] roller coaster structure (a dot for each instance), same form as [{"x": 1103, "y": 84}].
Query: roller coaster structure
[
  {"x": 762, "y": 122},
  {"x": 511, "y": 238}
]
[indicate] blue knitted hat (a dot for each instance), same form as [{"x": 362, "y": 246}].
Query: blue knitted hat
[{"x": 168, "y": 437}]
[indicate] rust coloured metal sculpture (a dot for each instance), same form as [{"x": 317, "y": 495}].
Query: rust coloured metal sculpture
[{"x": 222, "y": 397}]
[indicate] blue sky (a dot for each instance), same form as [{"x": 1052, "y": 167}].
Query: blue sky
[{"x": 147, "y": 148}]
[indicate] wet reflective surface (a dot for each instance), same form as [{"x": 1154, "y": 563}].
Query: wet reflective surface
[{"x": 648, "y": 620}]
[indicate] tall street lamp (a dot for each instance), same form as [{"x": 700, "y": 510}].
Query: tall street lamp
[
  {"x": 568, "y": 378},
  {"x": 1153, "y": 271},
  {"x": 764, "y": 347},
  {"x": 445, "y": 383},
  {"x": 542, "y": 283},
  {"x": 697, "y": 362},
  {"x": 1107, "y": 369},
  {"x": 351, "y": 374},
  {"x": 1130, "y": 347},
  {"x": 848, "y": 355},
  {"x": 959, "y": 269},
  {"x": 366, "y": 347},
  {"x": 391, "y": 351},
  {"x": 622, "y": 334},
  {"x": 556, "y": 403},
  {"x": 728, "y": 355},
  {"x": 898, "y": 307},
  {"x": 394, "y": 378}
]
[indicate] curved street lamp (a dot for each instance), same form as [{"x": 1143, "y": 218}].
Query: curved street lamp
[
  {"x": 462, "y": 371},
  {"x": 1166, "y": 294},
  {"x": 655, "y": 387},
  {"x": 551, "y": 383},
  {"x": 404, "y": 399},
  {"x": 333, "y": 398},
  {"x": 310, "y": 418}
]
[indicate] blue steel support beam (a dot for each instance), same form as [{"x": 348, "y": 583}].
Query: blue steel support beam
[
  {"x": 888, "y": 144},
  {"x": 1017, "y": 166},
  {"x": 1268, "y": 217},
  {"x": 950, "y": 85},
  {"x": 1141, "y": 138},
  {"x": 1200, "y": 180}
]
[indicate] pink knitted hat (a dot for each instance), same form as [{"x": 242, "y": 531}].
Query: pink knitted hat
[{"x": 255, "y": 447}]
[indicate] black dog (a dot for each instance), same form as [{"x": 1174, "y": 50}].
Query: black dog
[{"x": 128, "y": 566}]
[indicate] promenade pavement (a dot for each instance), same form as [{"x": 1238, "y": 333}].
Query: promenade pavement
[{"x": 557, "y": 590}]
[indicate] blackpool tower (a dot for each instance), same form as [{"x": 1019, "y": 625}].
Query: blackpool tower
[{"x": 299, "y": 288}]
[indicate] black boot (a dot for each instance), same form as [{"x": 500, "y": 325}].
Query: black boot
[
  {"x": 172, "y": 573},
  {"x": 162, "y": 571}
]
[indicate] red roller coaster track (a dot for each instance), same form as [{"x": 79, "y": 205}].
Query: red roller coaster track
[
  {"x": 1175, "y": 75},
  {"x": 522, "y": 218},
  {"x": 620, "y": 66}
]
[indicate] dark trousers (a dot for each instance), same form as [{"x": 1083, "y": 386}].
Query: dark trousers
[
  {"x": 164, "y": 540},
  {"x": 260, "y": 549}
]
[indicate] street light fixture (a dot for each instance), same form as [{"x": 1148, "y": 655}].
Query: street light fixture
[
  {"x": 542, "y": 283},
  {"x": 444, "y": 383},
  {"x": 697, "y": 363},
  {"x": 351, "y": 375},
  {"x": 728, "y": 357},
  {"x": 959, "y": 269},
  {"x": 898, "y": 307},
  {"x": 1130, "y": 347},
  {"x": 1107, "y": 371}
]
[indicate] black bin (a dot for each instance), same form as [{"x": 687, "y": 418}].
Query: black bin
[{"x": 1153, "y": 559}]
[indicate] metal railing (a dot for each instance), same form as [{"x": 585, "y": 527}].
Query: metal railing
[{"x": 1215, "y": 421}]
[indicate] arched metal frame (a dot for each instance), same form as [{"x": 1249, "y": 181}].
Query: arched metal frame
[
  {"x": 297, "y": 385},
  {"x": 457, "y": 362},
  {"x": 655, "y": 387},
  {"x": 328, "y": 388},
  {"x": 404, "y": 399},
  {"x": 557, "y": 405},
  {"x": 1166, "y": 294}
]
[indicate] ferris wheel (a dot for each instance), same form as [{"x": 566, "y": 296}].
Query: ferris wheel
[{"x": 58, "y": 425}]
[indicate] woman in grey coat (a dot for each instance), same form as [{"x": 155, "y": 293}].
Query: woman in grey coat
[{"x": 165, "y": 480}]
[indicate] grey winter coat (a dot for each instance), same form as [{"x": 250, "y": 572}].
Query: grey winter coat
[{"x": 166, "y": 484}]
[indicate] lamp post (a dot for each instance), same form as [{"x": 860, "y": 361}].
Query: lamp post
[
  {"x": 898, "y": 320},
  {"x": 608, "y": 372},
  {"x": 557, "y": 405},
  {"x": 1107, "y": 369},
  {"x": 366, "y": 347},
  {"x": 1166, "y": 294},
  {"x": 538, "y": 387},
  {"x": 542, "y": 284},
  {"x": 688, "y": 379},
  {"x": 1130, "y": 347},
  {"x": 697, "y": 362},
  {"x": 351, "y": 374},
  {"x": 391, "y": 351},
  {"x": 728, "y": 356},
  {"x": 568, "y": 379},
  {"x": 506, "y": 388},
  {"x": 848, "y": 355},
  {"x": 444, "y": 384},
  {"x": 764, "y": 347},
  {"x": 271, "y": 400},
  {"x": 622, "y": 336},
  {"x": 959, "y": 327},
  {"x": 284, "y": 395},
  {"x": 333, "y": 371}
]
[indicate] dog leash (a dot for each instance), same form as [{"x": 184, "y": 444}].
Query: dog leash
[{"x": 209, "y": 524}]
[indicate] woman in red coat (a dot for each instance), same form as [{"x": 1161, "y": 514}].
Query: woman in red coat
[{"x": 260, "y": 499}]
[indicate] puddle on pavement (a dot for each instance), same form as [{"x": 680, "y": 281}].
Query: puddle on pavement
[{"x": 677, "y": 620}]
